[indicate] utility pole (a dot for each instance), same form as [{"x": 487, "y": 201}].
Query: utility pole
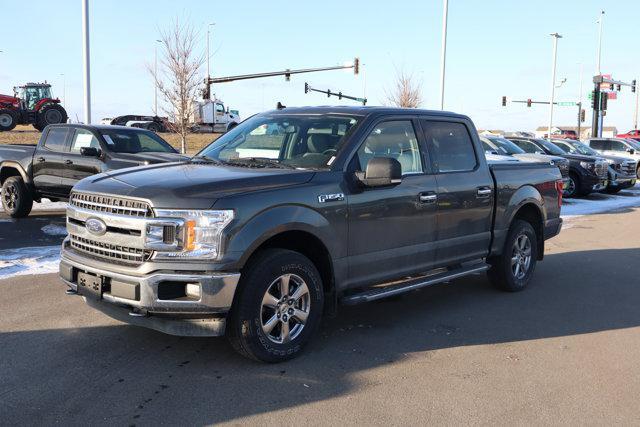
[
  {"x": 635, "y": 117},
  {"x": 443, "y": 59},
  {"x": 208, "y": 54},
  {"x": 87, "y": 60},
  {"x": 598, "y": 72},
  {"x": 155, "y": 79},
  {"x": 555, "y": 36},
  {"x": 580, "y": 103}
]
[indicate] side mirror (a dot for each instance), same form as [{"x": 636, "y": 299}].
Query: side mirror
[
  {"x": 381, "y": 172},
  {"x": 631, "y": 151},
  {"x": 90, "y": 152}
]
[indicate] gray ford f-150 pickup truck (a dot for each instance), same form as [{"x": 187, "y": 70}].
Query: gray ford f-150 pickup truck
[
  {"x": 297, "y": 210},
  {"x": 67, "y": 153}
]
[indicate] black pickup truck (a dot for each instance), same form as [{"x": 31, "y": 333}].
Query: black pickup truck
[
  {"x": 297, "y": 210},
  {"x": 67, "y": 153}
]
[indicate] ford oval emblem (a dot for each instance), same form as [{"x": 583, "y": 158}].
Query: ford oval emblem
[{"x": 95, "y": 226}]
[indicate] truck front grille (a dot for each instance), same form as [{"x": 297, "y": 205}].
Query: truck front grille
[
  {"x": 101, "y": 250},
  {"x": 628, "y": 168},
  {"x": 111, "y": 204}
]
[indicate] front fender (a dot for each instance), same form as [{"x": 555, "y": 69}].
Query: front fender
[{"x": 244, "y": 240}]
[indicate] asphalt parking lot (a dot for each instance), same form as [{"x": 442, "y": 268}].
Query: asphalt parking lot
[{"x": 565, "y": 351}]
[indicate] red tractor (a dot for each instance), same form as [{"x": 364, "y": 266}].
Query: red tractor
[{"x": 31, "y": 104}]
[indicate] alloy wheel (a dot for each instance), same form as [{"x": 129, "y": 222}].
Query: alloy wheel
[
  {"x": 285, "y": 308},
  {"x": 571, "y": 187},
  {"x": 10, "y": 197},
  {"x": 521, "y": 256}
]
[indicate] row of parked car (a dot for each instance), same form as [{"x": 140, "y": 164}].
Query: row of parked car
[{"x": 595, "y": 165}]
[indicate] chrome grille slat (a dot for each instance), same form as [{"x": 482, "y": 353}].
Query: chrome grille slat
[
  {"x": 111, "y": 204},
  {"x": 101, "y": 250}
]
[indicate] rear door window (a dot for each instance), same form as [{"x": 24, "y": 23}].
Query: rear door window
[
  {"x": 451, "y": 145},
  {"x": 598, "y": 144},
  {"x": 56, "y": 139}
]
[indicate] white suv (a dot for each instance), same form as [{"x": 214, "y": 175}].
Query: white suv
[{"x": 628, "y": 148}]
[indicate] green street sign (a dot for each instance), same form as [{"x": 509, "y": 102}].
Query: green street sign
[{"x": 567, "y": 104}]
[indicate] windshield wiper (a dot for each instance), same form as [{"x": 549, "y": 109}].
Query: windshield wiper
[
  {"x": 207, "y": 159},
  {"x": 260, "y": 162}
]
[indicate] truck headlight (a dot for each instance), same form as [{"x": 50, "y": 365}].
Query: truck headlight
[
  {"x": 590, "y": 166},
  {"x": 200, "y": 236}
]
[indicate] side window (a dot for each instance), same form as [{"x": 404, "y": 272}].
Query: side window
[
  {"x": 56, "y": 139},
  {"x": 83, "y": 138},
  {"x": 452, "y": 146},
  {"x": 219, "y": 108},
  {"x": 617, "y": 146},
  {"x": 597, "y": 144},
  {"x": 527, "y": 146},
  {"x": 394, "y": 139}
]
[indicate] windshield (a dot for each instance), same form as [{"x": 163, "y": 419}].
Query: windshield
[
  {"x": 303, "y": 141},
  {"x": 551, "y": 147},
  {"x": 585, "y": 149},
  {"x": 506, "y": 146},
  {"x": 135, "y": 141}
]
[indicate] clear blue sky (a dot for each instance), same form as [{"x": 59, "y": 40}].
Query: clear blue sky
[{"x": 495, "y": 48}]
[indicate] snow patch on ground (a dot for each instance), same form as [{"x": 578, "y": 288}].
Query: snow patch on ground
[
  {"x": 24, "y": 261},
  {"x": 45, "y": 205},
  {"x": 54, "y": 230},
  {"x": 601, "y": 203}
]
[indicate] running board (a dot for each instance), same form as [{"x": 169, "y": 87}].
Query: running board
[{"x": 377, "y": 293}]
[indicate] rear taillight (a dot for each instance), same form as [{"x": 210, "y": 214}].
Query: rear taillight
[{"x": 560, "y": 190}]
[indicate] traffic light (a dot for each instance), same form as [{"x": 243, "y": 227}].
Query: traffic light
[
  {"x": 603, "y": 101},
  {"x": 595, "y": 99},
  {"x": 583, "y": 115},
  {"x": 633, "y": 85},
  {"x": 287, "y": 76},
  {"x": 356, "y": 66},
  {"x": 504, "y": 101},
  {"x": 529, "y": 102},
  {"x": 619, "y": 87},
  {"x": 306, "y": 87}
]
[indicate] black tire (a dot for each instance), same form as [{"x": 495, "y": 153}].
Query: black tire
[
  {"x": 231, "y": 126},
  {"x": 573, "y": 189},
  {"x": 17, "y": 200},
  {"x": 8, "y": 120},
  {"x": 50, "y": 114},
  {"x": 612, "y": 190},
  {"x": 638, "y": 171},
  {"x": 250, "y": 316},
  {"x": 502, "y": 274},
  {"x": 154, "y": 127}
]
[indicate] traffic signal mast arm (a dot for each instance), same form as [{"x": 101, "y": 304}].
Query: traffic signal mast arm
[{"x": 328, "y": 92}]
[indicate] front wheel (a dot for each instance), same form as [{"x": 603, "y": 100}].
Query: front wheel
[
  {"x": 8, "y": 120},
  {"x": 17, "y": 200},
  {"x": 278, "y": 306},
  {"x": 512, "y": 270},
  {"x": 573, "y": 186}
]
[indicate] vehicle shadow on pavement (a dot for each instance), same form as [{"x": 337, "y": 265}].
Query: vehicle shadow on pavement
[{"x": 123, "y": 374}]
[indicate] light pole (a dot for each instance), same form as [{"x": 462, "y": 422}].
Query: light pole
[
  {"x": 87, "y": 60},
  {"x": 208, "y": 55},
  {"x": 598, "y": 72},
  {"x": 443, "y": 58},
  {"x": 635, "y": 117},
  {"x": 155, "y": 79},
  {"x": 64, "y": 90},
  {"x": 555, "y": 36}
]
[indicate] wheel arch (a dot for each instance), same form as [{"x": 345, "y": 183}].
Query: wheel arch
[
  {"x": 532, "y": 213},
  {"x": 9, "y": 169}
]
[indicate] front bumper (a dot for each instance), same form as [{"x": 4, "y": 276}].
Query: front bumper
[
  {"x": 622, "y": 182},
  {"x": 142, "y": 299}
]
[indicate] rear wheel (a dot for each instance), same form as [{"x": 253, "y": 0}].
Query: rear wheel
[
  {"x": 50, "y": 114},
  {"x": 17, "y": 200},
  {"x": 278, "y": 306},
  {"x": 512, "y": 270},
  {"x": 8, "y": 120}
]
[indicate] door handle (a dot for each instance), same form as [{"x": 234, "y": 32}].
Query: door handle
[
  {"x": 427, "y": 197},
  {"x": 68, "y": 162},
  {"x": 40, "y": 159},
  {"x": 484, "y": 192}
]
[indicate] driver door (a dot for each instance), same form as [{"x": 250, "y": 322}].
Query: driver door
[{"x": 392, "y": 230}]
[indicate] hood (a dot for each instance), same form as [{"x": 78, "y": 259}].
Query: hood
[
  {"x": 581, "y": 158},
  {"x": 540, "y": 157},
  {"x": 150, "y": 158},
  {"x": 189, "y": 185},
  {"x": 615, "y": 160}
]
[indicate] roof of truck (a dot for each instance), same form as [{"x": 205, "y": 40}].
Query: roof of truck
[{"x": 362, "y": 111}]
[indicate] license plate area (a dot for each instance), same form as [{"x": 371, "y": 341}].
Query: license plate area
[{"x": 90, "y": 286}]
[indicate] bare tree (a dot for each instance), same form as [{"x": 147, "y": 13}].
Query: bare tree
[
  {"x": 406, "y": 91},
  {"x": 178, "y": 76}
]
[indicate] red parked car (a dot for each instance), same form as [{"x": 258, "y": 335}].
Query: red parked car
[
  {"x": 632, "y": 134},
  {"x": 563, "y": 134}
]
